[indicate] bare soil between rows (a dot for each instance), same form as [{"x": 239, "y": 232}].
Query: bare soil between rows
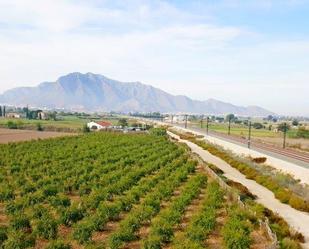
[{"x": 12, "y": 135}]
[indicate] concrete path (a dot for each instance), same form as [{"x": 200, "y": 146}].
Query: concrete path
[{"x": 296, "y": 219}]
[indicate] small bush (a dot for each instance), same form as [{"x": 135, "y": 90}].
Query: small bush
[
  {"x": 11, "y": 125},
  {"x": 72, "y": 215},
  {"x": 19, "y": 240},
  {"x": 20, "y": 222},
  {"x": 153, "y": 242},
  {"x": 287, "y": 243},
  {"x": 47, "y": 228},
  {"x": 298, "y": 203},
  {"x": 83, "y": 231},
  {"x": 283, "y": 195},
  {"x": 6, "y": 193},
  {"x": 3, "y": 235},
  {"x": 259, "y": 159},
  {"x": 236, "y": 232},
  {"x": 157, "y": 131},
  {"x": 58, "y": 244},
  {"x": 39, "y": 127}
]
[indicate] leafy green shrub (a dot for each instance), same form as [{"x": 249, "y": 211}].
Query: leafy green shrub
[
  {"x": 153, "y": 242},
  {"x": 47, "y": 228},
  {"x": 287, "y": 243},
  {"x": 20, "y": 222},
  {"x": 86, "y": 129},
  {"x": 50, "y": 190},
  {"x": 39, "y": 211},
  {"x": 58, "y": 244},
  {"x": 19, "y": 240},
  {"x": 11, "y": 125},
  {"x": 72, "y": 215},
  {"x": 3, "y": 235},
  {"x": 83, "y": 231},
  {"x": 236, "y": 232},
  {"x": 6, "y": 193},
  {"x": 283, "y": 195},
  {"x": 302, "y": 132},
  {"x": 39, "y": 127},
  {"x": 298, "y": 203},
  {"x": 164, "y": 230},
  {"x": 157, "y": 131},
  {"x": 183, "y": 242},
  {"x": 60, "y": 200}
]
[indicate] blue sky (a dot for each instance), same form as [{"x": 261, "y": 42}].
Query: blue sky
[{"x": 245, "y": 52}]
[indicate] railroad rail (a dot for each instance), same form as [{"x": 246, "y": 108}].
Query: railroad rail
[{"x": 301, "y": 156}]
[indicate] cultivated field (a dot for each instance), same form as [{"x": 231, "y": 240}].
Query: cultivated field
[
  {"x": 107, "y": 190},
  {"x": 9, "y": 135}
]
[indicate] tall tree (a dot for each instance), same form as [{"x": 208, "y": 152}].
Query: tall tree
[
  {"x": 0, "y": 111},
  {"x": 3, "y": 112}
]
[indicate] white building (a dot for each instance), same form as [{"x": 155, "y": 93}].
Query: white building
[{"x": 99, "y": 125}]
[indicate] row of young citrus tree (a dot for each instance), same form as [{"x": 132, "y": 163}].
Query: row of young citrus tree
[
  {"x": 39, "y": 179},
  {"x": 82, "y": 183}
]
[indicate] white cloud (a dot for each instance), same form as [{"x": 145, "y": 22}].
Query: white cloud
[{"x": 154, "y": 42}]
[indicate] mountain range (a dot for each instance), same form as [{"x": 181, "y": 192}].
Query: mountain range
[{"x": 94, "y": 92}]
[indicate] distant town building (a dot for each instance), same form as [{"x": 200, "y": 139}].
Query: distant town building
[
  {"x": 13, "y": 115},
  {"x": 99, "y": 125},
  {"x": 42, "y": 115}
]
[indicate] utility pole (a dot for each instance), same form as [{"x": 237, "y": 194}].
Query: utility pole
[
  {"x": 186, "y": 121},
  {"x": 202, "y": 123},
  {"x": 249, "y": 136},
  {"x": 207, "y": 125},
  {"x": 284, "y": 135},
  {"x": 229, "y": 129},
  {"x": 172, "y": 119}
]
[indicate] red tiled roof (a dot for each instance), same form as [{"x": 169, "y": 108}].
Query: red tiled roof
[{"x": 104, "y": 123}]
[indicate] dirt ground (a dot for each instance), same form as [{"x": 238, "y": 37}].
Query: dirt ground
[{"x": 10, "y": 135}]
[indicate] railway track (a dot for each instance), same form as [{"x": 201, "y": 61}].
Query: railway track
[
  {"x": 289, "y": 153},
  {"x": 304, "y": 157}
]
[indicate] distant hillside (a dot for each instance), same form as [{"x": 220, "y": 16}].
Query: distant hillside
[{"x": 94, "y": 92}]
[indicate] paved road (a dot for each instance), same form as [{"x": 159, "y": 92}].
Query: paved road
[{"x": 296, "y": 219}]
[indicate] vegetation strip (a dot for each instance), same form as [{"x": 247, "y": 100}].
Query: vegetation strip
[
  {"x": 149, "y": 207},
  {"x": 203, "y": 222},
  {"x": 161, "y": 230},
  {"x": 110, "y": 210}
]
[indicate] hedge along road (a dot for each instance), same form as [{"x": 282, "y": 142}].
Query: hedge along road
[{"x": 297, "y": 220}]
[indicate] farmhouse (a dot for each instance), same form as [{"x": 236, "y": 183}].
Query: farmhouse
[{"x": 99, "y": 125}]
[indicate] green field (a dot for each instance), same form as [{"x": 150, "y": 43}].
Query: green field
[
  {"x": 70, "y": 123},
  {"x": 241, "y": 130}
]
